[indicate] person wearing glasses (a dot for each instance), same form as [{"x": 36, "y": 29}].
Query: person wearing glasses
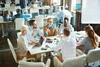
[{"x": 51, "y": 27}]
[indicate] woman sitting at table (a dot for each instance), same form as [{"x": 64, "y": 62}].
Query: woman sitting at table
[
  {"x": 51, "y": 27},
  {"x": 67, "y": 45},
  {"x": 89, "y": 42},
  {"x": 23, "y": 43}
]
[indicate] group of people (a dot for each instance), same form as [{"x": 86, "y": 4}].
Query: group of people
[{"x": 32, "y": 35}]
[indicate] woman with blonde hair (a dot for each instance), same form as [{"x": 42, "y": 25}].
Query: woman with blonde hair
[
  {"x": 89, "y": 42},
  {"x": 23, "y": 43}
]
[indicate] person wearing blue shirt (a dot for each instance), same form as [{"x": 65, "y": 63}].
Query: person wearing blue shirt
[
  {"x": 31, "y": 23},
  {"x": 19, "y": 14},
  {"x": 34, "y": 32},
  {"x": 23, "y": 43},
  {"x": 51, "y": 27}
]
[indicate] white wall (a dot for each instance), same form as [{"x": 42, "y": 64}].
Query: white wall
[
  {"x": 73, "y": 5},
  {"x": 91, "y": 12}
]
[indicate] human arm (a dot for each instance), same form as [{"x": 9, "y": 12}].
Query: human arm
[{"x": 82, "y": 44}]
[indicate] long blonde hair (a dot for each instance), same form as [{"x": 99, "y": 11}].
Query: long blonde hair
[{"x": 92, "y": 35}]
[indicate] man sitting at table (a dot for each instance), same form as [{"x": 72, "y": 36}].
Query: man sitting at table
[
  {"x": 35, "y": 33},
  {"x": 67, "y": 45},
  {"x": 51, "y": 27},
  {"x": 31, "y": 23},
  {"x": 66, "y": 24}
]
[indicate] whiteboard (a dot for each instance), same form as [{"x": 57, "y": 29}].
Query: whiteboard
[{"x": 90, "y": 12}]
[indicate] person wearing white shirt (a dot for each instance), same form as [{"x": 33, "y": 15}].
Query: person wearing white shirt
[
  {"x": 91, "y": 41},
  {"x": 66, "y": 24},
  {"x": 67, "y": 45}
]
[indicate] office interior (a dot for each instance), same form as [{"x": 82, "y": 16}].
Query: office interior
[{"x": 49, "y": 26}]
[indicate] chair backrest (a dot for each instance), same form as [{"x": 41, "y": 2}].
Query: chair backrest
[
  {"x": 57, "y": 62},
  {"x": 79, "y": 52},
  {"x": 12, "y": 50},
  {"x": 48, "y": 63},
  {"x": 19, "y": 22},
  {"x": 1, "y": 19},
  {"x": 75, "y": 62},
  {"x": 31, "y": 64},
  {"x": 34, "y": 64},
  {"x": 93, "y": 55}
]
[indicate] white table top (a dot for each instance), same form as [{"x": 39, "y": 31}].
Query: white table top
[
  {"x": 39, "y": 50},
  {"x": 42, "y": 48}
]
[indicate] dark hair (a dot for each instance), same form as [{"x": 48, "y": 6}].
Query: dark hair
[
  {"x": 66, "y": 18},
  {"x": 18, "y": 10},
  {"x": 66, "y": 32},
  {"x": 31, "y": 22}
]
